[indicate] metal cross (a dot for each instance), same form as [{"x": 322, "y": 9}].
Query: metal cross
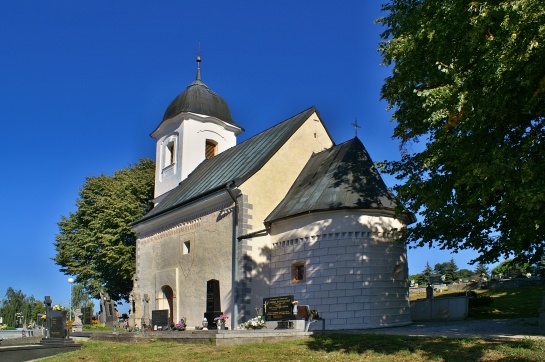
[{"x": 355, "y": 124}]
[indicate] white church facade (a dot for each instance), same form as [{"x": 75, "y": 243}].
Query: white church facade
[{"x": 286, "y": 212}]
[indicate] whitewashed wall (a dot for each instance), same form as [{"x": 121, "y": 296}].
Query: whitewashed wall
[{"x": 356, "y": 270}]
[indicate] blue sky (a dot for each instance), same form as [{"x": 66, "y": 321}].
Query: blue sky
[{"x": 83, "y": 84}]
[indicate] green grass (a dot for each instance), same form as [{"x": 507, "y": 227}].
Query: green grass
[
  {"x": 329, "y": 347},
  {"x": 508, "y": 303},
  {"x": 521, "y": 302}
]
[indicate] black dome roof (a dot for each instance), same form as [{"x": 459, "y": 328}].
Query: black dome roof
[{"x": 198, "y": 98}]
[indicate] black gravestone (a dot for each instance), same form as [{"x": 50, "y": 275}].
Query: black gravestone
[
  {"x": 87, "y": 315},
  {"x": 58, "y": 327},
  {"x": 213, "y": 303},
  {"x": 159, "y": 318},
  {"x": 278, "y": 308}
]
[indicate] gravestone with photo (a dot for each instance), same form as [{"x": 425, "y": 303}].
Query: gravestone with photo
[{"x": 213, "y": 303}]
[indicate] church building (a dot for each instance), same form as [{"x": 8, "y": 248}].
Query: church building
[{"x": 286, "y": 212}]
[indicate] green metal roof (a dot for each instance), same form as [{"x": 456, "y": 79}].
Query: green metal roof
[
  {"x": 236, "y": 165},
  {"x": 342, "y": 177}
]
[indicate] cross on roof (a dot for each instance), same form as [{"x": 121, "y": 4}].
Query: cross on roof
[{"x": 355, "y": 124}]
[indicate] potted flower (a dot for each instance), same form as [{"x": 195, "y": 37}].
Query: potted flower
[
  {"x": 181, "y": 325},
  {"x": 220, "y": 321}
]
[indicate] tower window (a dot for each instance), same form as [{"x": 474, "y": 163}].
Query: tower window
[
  {"x": 170, "y": 154},
  {"x": 211, "y": 149}
]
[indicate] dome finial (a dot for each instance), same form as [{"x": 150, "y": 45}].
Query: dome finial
[{"x": 198, "y": 67}]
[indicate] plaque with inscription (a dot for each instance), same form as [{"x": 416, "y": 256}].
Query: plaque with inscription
[
  {"x": 159, "y": 317},
  {"x": 278, "y": 308}
]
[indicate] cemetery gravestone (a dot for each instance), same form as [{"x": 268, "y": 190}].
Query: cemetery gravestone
[
  {"x": 87, "y": 315},
  {"x": 77, "y": 326},
  {"x": 159, "y": 318},
  {"x": 213, "y": 303},
  {"x": 58, "y": 324},
  {"x": 278, "y": 308}
]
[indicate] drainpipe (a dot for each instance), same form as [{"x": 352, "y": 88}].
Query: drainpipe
[{"x": 234, "y": 273}]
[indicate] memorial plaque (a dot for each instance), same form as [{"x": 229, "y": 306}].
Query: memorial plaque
[
  {"x": 159, "y": 318},
  {"x": 58, "y": 324},
  {"x": 278, "y": 308}
]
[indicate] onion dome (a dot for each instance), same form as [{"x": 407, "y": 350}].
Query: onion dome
[{"x": 198, "y": 98}]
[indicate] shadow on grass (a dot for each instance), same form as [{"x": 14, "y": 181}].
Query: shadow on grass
[{"x": 433, "y": 348}]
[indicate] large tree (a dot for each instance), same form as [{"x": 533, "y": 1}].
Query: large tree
[
  {"x": 96, "y": 243},
  {"x": 468, "y": 85},
  {"x": 14, "y": 302}
]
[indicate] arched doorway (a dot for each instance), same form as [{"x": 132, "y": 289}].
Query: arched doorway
[{"x": 167, "y": 302}]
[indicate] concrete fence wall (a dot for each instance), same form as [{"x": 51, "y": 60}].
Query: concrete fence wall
[
  {"x": 18, "y": 333},
  {"x": 440, "y": 309}
]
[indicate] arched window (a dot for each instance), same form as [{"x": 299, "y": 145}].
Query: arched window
[
  {"x": 169, "y": 151},
  {"x": 170, "y": 154},
  {"x": 211, "y": 149}
]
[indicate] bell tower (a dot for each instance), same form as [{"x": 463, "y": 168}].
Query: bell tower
[{"x": 196, "y": 126}]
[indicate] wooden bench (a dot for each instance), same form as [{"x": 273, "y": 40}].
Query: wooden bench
[{"x": 303, "y": 311}]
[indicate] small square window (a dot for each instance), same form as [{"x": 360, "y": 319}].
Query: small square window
[
  {"x": 298, "y": 272},
  {"x": 186, "y": 247}
]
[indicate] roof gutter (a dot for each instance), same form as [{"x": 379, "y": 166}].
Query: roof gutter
[
  {"x": 174, "y": 207},
  {"x": 234, "y": 257}
]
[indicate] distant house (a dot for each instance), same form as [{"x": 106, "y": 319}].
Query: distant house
[{"x": 286, "y": 212}]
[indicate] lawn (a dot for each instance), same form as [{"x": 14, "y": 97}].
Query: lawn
[
  {"x": 329, "y": 347},
  {"x": 507, "y": 303},
  {"x": 521, "y": 302}
]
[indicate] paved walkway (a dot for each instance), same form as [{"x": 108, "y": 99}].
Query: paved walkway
[{"x": 490, "y": 329}]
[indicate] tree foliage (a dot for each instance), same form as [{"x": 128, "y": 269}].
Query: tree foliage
[
  {"x": 448, "y": 270},
  {"x": 96, "y": 243},
  {"x": 512, "y": 268},
  {"x": 464, "y": 273},
  {"x": 15, "y": 301},
  {"x": 81, "y": 297},
  {"x": 482, "y": 269},
  {"x": 427, "y": 272},
  {"x": 468, "y": 83}
]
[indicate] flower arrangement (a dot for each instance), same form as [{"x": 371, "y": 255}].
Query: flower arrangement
[
  {"x": 221, "y": 319},
  {"x": 181, "y": 325},
  {"x": 254, "y": 323},
  {"x": 58, "y": 307}
]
